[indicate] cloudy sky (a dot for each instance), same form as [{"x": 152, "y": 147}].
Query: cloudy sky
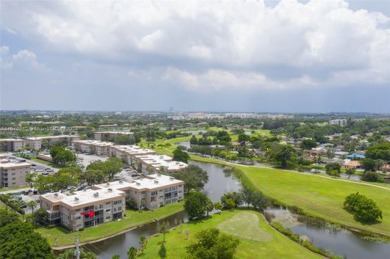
[{"x": 259, "y": 56}]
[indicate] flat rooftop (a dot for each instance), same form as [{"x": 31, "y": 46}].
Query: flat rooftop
[
  {"x": 158, "y": 161},
  {"x": 134, "y": 150},
  {"x": 151, "y": 182},
  {"x": 80, "y": 198},
  {"x": 94, "y": 143},
  {"x": 8, "y": 164}
]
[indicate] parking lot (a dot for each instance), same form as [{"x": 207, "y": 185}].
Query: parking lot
[
  {"x": 127, "y": 174},
  {"x": 84, "y": 160}
]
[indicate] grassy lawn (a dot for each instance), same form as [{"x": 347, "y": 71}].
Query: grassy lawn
[
  {"x": 13, "y": 188},
  {"x": 320, "y": 196},
  {"x": 257, "y": 238},
  {"x": 261, "y": 132},
  {"x": 61, "y": 237},
  {"x": 164, "y": 147}
]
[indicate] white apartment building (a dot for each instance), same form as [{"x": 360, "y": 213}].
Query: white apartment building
[
  {"x": 144, "y": 160},
  {"x": 149, "y": 164},
  {"x": 35, "y": 143},
  {"x": 339, "y": 122},
  {"x": 13, "y": 174},
  {"x": 130, "y": 152},
  {"x": 11, "y": 145},
  {"x": 151, "y": 192},
  {"x": 84, "y": 209},
  {"x": 93, "y": 147}
]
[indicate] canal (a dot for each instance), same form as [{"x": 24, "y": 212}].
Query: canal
[{"x": 340, "y": 241}]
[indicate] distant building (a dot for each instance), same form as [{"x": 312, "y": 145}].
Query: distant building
[
  {"x": 351, "y": 164},
  {"x": 144, "y": 160},
  {"x": 84, "y": 209},
  {"x": 339, "y": 122},
  {"x": 93, "y": 147},
  {"x": 12, "y": 173},
  {"x": 35, "y": 143},
  {"x": 11, "y": 145}
]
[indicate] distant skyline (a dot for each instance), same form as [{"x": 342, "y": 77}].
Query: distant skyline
[{"x": 287, "y": 56}]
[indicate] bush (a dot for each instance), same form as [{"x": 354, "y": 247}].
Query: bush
[
  {"x": 364, "y": 209},
  {"x": 371, "y": 177}
]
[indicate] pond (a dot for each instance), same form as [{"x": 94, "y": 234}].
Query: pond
[
  {"x": 339, "y": 241},
  {"x": 121, "y": 243},
  {"x": 184, "y": 144},
  {"x": 330, "y": 237},
  {"x": 217, "y": 185}
]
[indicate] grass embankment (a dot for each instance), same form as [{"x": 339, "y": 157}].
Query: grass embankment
[
  {"x": 320, "y": 196},
  {"x": 58, "y": 237},
  {"x": 13, "y": 188},
  {"x": 257, "y": 238}
]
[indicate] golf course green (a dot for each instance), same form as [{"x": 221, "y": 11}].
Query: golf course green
[{"x": 257, "y": 238}]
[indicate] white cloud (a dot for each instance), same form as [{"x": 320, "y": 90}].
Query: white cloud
[
  {"x": 219, "y": 80},
  {"x": 227, "y": 39},
  {"x": 23, "y": 59}
]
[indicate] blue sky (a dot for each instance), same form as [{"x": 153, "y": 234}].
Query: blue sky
[{"x": 255, "y": 56}]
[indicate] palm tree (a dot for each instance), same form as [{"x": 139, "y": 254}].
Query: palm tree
[{"x": 32, "y": 204}]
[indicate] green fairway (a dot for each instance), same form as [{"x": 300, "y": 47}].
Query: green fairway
[
  {"x": 257, "y": 241},
  {"x": 58, "y": 237},
  {"x": 245, "y": 225},
  {"x": 320, "y": 196},
  {"x": 164, "y": 147}
]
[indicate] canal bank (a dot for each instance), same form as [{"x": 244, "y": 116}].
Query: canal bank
[{"x": 220, "y": 183}]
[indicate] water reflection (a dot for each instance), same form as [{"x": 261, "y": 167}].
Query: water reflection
[
  {"x": 322, "y": 234},
  {"x": 331, "y": 237},
  {"x": 217, "y": 185}
]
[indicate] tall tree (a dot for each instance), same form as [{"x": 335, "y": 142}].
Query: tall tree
[
  {"x": 61, "y": 156},
  {"x": 285, "y": 156},
  {"x": 32, "y": 204},
  {"x": 193, "y": 176},
  {"x": 19, "y": 240},
  {"x": 196, "y": 204},
  {"x": 30, "y": 178},
  {"x": 163, "y": 251},
  {"x": 212, "y": 244},
  {"x": 180, "y": 155}
]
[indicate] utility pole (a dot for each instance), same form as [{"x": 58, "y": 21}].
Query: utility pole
[{"x": 77, "y": 251}]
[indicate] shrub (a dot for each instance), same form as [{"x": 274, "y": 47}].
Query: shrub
[{"x": 364, "y": 209}]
